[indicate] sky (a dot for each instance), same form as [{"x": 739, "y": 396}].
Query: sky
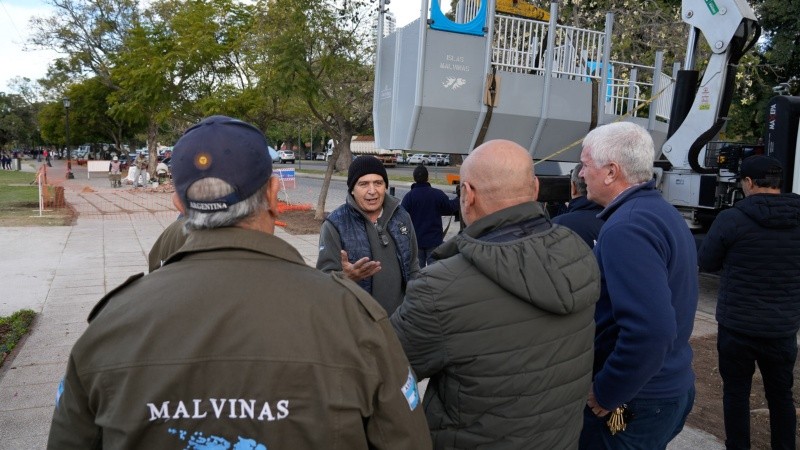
[
  {"x": 15, "y": 30},
  {"x": 406, "y": 10}
]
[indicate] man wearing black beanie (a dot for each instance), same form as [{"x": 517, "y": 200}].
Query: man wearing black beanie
[{"x": 370, "y": 239}]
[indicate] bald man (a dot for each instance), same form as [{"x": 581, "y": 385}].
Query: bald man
[{"x": 503, "y": 323}]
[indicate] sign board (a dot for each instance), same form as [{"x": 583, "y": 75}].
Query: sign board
[
  {"x": 96, "y": 166},
  {"x": 287, "y": 178}
]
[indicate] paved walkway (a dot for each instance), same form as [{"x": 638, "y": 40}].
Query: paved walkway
[{"x": 61, "y": 272}]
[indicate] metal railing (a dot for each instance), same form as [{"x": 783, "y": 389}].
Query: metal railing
[{"x": 519, "y": 46}]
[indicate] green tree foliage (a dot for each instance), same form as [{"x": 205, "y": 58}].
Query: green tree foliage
[
  {"x": 51, "y": 124},
  {"x": 91, "y": 110},
  {"x": 640, "y": 27},
  {"x": 779, "y": 19},
  {"x": 775, "y": 60},
  {"x": 322, "y": 52},
  {"x": 90, "y": 118},
  {"x": 18, "y": 126},
  {"x": 179, "y": 55},
  {"x": 89, "y": 32},
  {"x": 12, "y": 329}
]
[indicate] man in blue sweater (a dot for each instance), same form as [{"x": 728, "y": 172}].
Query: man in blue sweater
[
  {"x": 757, "y": 245},
  {"x": 646, "y": 253},
  {"x": 581, "y": 216},
  {"x": 427, "y": 205}
]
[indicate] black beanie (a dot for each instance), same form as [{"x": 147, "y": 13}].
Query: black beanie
[
  {"x": 420, "y": 174},
  {"x": 365, "y": 165}
]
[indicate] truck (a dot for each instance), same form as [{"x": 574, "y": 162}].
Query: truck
[
  {"x": 446, "y": 86},
  {"x": 365, "y": 145}
]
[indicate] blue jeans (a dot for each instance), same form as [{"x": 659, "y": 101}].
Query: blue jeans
[
  {"x": 652, "y": 424},
  {"x": 738, "y": 355}
]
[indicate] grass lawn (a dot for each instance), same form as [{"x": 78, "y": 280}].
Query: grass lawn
[
  {"x": 19, "y": 202},
  {"x": 12, "y": 329}
]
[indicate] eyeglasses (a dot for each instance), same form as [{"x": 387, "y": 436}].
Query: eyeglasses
[{"x": 383, "y": 237}]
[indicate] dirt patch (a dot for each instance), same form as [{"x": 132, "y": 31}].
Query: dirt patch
[
  {"x": 300, "y": 222},
  {"x": 27, "y": 215},
  {"x": 707, "y": 412}
]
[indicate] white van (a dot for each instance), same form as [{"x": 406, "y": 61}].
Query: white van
[{"x": 328, "y": 149}]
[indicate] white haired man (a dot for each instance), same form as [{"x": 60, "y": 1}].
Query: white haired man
[{"x": 643, "y": 362}]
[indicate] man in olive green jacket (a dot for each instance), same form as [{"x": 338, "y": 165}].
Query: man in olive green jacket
[
  {"x": 167, "y": 243},
  {"x": 503, "y": 323},
  {"x": 235, "y": 342}
]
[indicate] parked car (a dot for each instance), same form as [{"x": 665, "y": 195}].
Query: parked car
[
  {"x": 419, "y": 158},
  {"x": 286, "y": 156},
  {"x": 439, "y": 159}
]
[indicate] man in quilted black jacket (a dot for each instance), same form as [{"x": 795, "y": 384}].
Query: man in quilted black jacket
[{"x": 756, "y": 244}]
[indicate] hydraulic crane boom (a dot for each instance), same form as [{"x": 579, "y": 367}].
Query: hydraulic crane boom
[{"x": 730, "y": 29}]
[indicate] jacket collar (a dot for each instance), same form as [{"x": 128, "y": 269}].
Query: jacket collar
[
  {"x": 637, "y": 190},
  {"x": 582, "y": 203},
  {"x": 230, "y": 238},
  {"x": 508, "y": 216}
]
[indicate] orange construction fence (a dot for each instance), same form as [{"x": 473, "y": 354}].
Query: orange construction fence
[
  {"x": 285, "y": 207},
  {"x": 50, "y": 195}
]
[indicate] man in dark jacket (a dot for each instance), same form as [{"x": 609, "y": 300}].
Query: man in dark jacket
[
  {"x": 370, "y": 239},
  {"x": 647, "y": 255},
  {"x": 235, "y": 342},
  {"x": 581, "y": 216},
  {"x": 502, "y": 323},
  {"x": 427, "y": 205},
  {"x": 757, "y": 245}
]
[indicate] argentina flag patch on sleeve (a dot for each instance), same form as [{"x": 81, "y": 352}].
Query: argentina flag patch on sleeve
[
  {"x": 59, "y": 392},
  {"x": 410, "y": 391}
]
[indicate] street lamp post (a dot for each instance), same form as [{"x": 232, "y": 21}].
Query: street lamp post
[{"x": 67, "y": 104}]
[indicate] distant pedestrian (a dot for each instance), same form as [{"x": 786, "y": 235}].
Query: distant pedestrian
[
  {"x": 235, "y": 343},
  {"x": 756, "y": 244},
  {"x": 581, "y": 214},
  {"x": 114, "y": 172},
  {"x": 502, "y": 324},
  {"x": 47, "y": 158},
  {"x": 427, "y": 205},
  {"x": 140, "y": 175},
  {"x": 643, "y": 373}
]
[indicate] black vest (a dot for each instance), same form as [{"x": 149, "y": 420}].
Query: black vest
[{"x": 351, "y": 226}]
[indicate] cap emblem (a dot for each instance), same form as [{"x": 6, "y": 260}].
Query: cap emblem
[{"x": 202, "y": 161}]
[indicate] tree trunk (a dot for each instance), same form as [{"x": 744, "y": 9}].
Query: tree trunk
[
  {"x": 326, "y": 182},
  {"x": 345, "y": 155}
]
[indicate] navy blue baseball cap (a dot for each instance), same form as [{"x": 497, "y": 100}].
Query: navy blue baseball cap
[
  {"x": 225, "y": 148},
  {"x": 758, "y": 167}
]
